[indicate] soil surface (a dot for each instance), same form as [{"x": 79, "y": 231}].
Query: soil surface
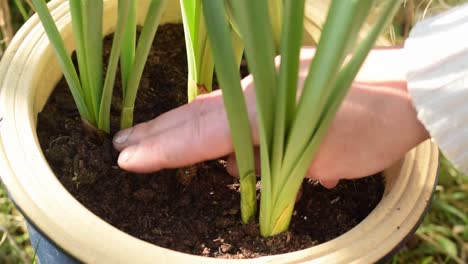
[{"x": 199, "y": 215}]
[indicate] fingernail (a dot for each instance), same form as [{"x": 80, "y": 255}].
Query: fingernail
[
  {"x": 122, "y": 136},
  {"x": 125, "y": 155}
]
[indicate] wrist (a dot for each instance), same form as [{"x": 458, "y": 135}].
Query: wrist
[
  {"x": 386, "y": 70},
  {"x": 391, "y": 102},
  {"x": 384, "y": 65}
]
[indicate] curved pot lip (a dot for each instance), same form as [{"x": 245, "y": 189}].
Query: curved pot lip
[
  {"x": 384, "y": 258},
  {"x": 44, "y": 200},
  {"x": 397, "y": 248}
]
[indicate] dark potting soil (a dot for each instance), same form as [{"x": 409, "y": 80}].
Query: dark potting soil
[{"x": 200, "y": 216}]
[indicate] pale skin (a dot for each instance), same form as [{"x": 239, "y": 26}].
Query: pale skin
[{"x": 375, "y": 126}]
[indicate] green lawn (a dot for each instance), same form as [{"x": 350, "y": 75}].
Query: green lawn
[
  {"x": 442, "y": 238},
  {"x": 14, "y": 241}
]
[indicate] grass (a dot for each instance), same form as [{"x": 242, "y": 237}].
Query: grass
[
  {"x": 14, "y": 239},
  {"x": 442, "y": 237}
]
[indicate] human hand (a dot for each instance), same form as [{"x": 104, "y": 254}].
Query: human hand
[{"x": 375, "y": 126}]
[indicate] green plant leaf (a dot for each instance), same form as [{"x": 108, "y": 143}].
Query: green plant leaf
[
  {"x": 191, "y": 10},
  {"x": 253, "y": 22},
  {"x": 127, "y": 55},
  {"x": 199, "y": 58},
  {"x": 145, "y": 41},
  {"x": 77, "y": 10},
  {"x": 447, "y": 245},
  {"x": 287, "y": 84},
  {"x": 93, "y": 45},
  {"x": 339, "y": 91},
  {"x": 64, "y": 58},
  {"x": 275, "y": 8},
  {"x": 22, "y": 10},
  {"x": 227, "y": 72},
  {"x": 449, "y": 209},
  {"x": 105, "y": 105},
  {"x": 327, "y": 62},
  {"x": 230, "y": 17},
  {"x": 337, "y": 37},
  {"x": 427, "y": 260}
]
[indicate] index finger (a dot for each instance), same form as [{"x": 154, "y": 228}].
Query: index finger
[{"x": 192, "y": 133}]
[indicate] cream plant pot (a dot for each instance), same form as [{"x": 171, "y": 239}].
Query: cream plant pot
[{"x": 29, "y": 73}]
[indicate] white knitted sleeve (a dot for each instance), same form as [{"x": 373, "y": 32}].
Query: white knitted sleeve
[{"x": 437, "y": 54}]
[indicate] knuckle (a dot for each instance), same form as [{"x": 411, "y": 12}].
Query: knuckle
[
  {"x": 200, "y": 104},
  {"x": 141, "y": 128},
  {"x": 197, "y": 122},
  {"x": 153, "y": 149},
  {"x": 196, "y": 128}
]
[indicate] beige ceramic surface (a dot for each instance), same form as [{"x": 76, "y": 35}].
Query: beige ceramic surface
[{"x": 29, "y": 72}]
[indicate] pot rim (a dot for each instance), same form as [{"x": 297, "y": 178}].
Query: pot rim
[
  {"x": 384, "y": 259},
  {"x": 29, "y": 63}
]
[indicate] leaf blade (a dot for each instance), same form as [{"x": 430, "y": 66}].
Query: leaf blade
[
  {"x": 63, "y": 57},
  {"x": 226, "y": 69},
  {"x": 145, "y": 41}
]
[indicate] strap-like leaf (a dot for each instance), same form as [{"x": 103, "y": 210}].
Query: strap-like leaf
[
  {"x": 64, "y": 58},
  {"x": 105, "y": 105},
  {"x": 145, "y": 42},
  {"x": 234, "y": 102}
]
